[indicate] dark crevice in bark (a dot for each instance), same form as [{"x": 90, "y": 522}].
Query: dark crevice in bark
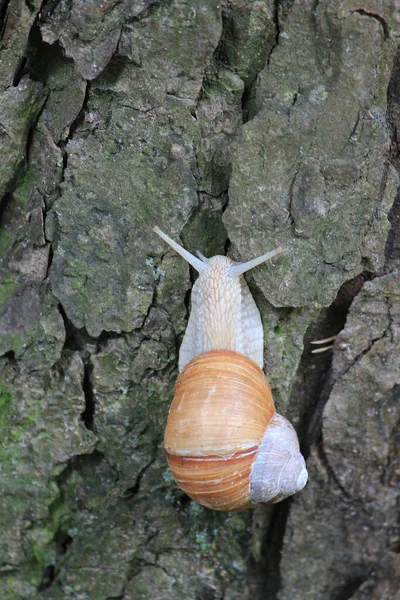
[
  {"x": 271, "y": 553},
  {"x": 3, "y": 16},
  {"x": 290, "y": 203},
  {"x": 4, "y": 202},
  {"x": 393, "y": 110},
  {"x": 315, "y": 369},
  {"x": 228, "y": 246},
  {"x": 31, "y": 132},
  {"x": 78, "y": 340},
  {"x": 79, "y": 463},
  {"x": 392, "y": 250},
  {"x": 30, "y": 4},
  {"x": 202, "y": 217},
  {"x": 105, "y": 336},
  {"x": 48, "y": 8},
  {"x": 88, "y": 414},
  {"x": 34, "y": 43},
  {"x": 10, "y": 357},
  {"x": 187, "y": 299},
  {"x": 79, "y": 119},
  {"x": 377, "y": 17},
  {"x": 20, "y": 71},
  {"x": 62, "y": 542},
  {"x": 348, "y": 590},
  {"x": 275, "y": 18},
  {"x": 225, "y": 197},
  {"x": 48, "y": 577},
  {"x": 132, "y": 492},
  {"x": 183, "y": 502},
  {"x": 21, "y": 167},
  {"x": 223, "y": 60},
  {"x": 51, "y": 256},
  {"x": 41, "y": 61},
  {"x": 248, "y": 112},
  {"x": 62, "y": 539}
]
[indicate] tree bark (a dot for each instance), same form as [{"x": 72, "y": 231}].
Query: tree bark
[{"x": 237, "y": 126}]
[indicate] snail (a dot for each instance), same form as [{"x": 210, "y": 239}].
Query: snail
[{"x": 226, "y": 446}]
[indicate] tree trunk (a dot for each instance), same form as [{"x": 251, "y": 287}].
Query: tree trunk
[{"x": 238, "y": 127}]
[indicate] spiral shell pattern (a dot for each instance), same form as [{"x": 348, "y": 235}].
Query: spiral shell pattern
[{"x": 221, "y": 408}]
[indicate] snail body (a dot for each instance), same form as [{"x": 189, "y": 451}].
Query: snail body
[{"x": 226, "y": 446}]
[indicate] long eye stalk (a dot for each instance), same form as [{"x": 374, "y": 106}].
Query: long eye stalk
[
  {"x": 201, "y": 265},
  {"x": 192, "y": 260},
  {"x": 243, "y": 267}
]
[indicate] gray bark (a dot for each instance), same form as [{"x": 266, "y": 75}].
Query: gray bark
[{"x": 236, "y": 127}]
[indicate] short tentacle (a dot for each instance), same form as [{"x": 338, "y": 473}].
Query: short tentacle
[{"x": 202, "y": 257}]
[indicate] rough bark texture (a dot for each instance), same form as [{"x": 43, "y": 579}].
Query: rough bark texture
[{"x": 237, "y": 127}]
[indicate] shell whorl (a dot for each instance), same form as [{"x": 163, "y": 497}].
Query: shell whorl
[
  {"x": 221, "y": 408},
  {"x": 279, "y": 469}
]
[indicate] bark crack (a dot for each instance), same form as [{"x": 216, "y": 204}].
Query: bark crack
[
  {"x": 272, "y": 550},
  {"x": 72, "y": 129},
  {"x": 63, "y": 539},
  {"x": 3, "y": 17},
  {"x": 348, "y": 590},
  {"x": 78, "y": 340},
  {"x": 377, "y": 17},
  {"x": 315, "y": 370},
  {"x": 328, "y": 467},
  {"x": 88, "y": 414},
  {"x": 133, "y": 491},
  {"x": 364, "y": 352},
  {"x": 289, "y": 204}
]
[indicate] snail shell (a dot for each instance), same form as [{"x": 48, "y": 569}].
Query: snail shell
[
  {"x": 226, "y": 446},
  {"x": 220, "y": 435}
]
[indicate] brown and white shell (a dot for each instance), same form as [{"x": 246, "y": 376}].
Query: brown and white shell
[{"x": 221, "y": 416}]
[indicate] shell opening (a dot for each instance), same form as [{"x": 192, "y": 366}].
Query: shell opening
[{"x": 279, "y": 469}]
